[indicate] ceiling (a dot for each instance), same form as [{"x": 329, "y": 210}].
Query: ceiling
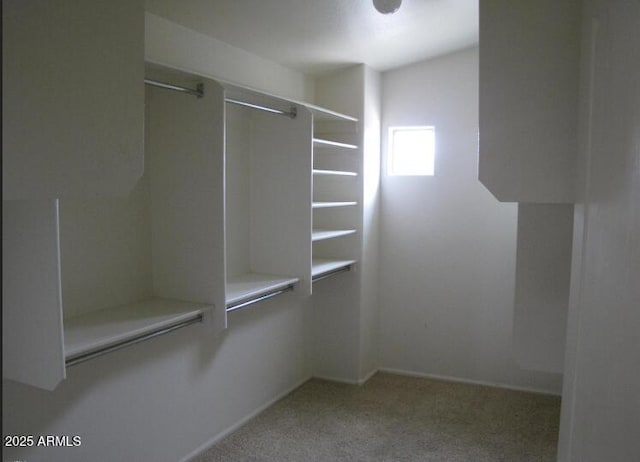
[{"x": 315, "y": 36}]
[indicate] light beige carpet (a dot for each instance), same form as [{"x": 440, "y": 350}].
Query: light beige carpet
[{"x": 397, "y": 418}]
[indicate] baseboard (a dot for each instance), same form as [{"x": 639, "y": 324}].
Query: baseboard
[
  {"x": 212, "y": 441},
  {"x": 446, "y": 378},
  {"x": 367, "y": 377},
  {"x": 346, "y": 381},
  {"x": 330, "y": 378}
]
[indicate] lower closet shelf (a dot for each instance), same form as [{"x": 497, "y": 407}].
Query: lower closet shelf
[
  {"x": 88, "y": 335},
  {"x": 322, "y": 267},
  {"x": 249, "y": 288},
  {"x": 322, "y": 234}
]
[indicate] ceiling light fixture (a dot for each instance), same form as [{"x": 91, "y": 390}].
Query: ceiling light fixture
[{"x": 387, "y": 6}]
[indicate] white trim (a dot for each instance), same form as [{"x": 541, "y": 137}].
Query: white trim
[
  {"x": 360, "y": 381},
  {"x": 367, "y": 377},
  {"x": 337, "y": 379},
  {"x": 447, "y": 378},
  {"x": 224, "y": 433}
]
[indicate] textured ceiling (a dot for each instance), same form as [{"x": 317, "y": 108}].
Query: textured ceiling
[{"x": 314, "y": 36}]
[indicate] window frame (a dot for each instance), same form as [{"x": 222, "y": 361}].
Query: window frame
[{"x": 389, "y": 170}]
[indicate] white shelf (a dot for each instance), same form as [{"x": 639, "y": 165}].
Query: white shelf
[
  {"x": 90, "y": 332},
  {"x": 255, "y": 285},
  {"x": 319, "y": 143},
  {"x": 333, "y": 172},
  {"x": 320, "y": 113},
  {"x": 321, "y": 234},
  {"x": 322, "y": 267},
  {"x": 321, "y": 205}
]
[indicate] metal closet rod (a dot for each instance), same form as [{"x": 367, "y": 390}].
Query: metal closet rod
[
  {"x": 243, "y": 304},
  {"x": 73, "y": 360},
  {"x": 199, "y": 92},
  {"x": 328, "y": 274},
  {"x": 291, "y": 113}
]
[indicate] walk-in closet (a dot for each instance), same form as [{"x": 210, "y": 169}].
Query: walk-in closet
[{"x": 209, "y": 253}]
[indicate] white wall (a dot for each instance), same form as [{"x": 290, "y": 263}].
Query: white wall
[
  {"x": 62, "y": 54},
  {"x": 448, "y": 247},
  {"x": 163, "y": 399},
  {"x": 371, "y": 223},
  {"x": 543, "y": 267},
  {"x": 160, "y": 400},
  {"x": 528, "y": 98},
  {"x": 176, "y": 46},
  {"x": 601, "y": 401}
]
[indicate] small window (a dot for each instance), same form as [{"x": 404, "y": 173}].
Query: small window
[{"x": 411, "y": 151}]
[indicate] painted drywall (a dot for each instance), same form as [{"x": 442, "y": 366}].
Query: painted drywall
[
  {"x": 448, "y": 247},
  {"x": 169, "y": 397},
  {"x": 529, "y": 63},
  {"x": 370, "y": 223},
  {"x": 173, "y": 45},
  {"x": 164, "y": 398},
  {"x": 543, "y": 267},
  {"x": 601, "y": 405},
  {"x": 83, "y": 152}
]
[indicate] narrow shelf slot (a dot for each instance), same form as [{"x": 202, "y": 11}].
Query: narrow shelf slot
[
  {"x": 322, "y": 268},
  {"x": 320, "y": 142},
  {"x": 92, "y": 334},
  {"x": 322, "y": 234},
  {"x": 251, "y": 288},
  {"x": 321, "y": 205},
  {"x": 320, "y": 172}
]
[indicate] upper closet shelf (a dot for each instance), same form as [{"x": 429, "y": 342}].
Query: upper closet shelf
[
  {"x": 322, "y": 143},
  {"x": 98, "y": 332},
  {"x": 251, "y": 288},
  {"x": 320, "y": 113},
  {"x": 333, "y": 172}
]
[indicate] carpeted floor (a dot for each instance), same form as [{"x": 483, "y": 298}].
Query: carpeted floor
[{"x": 397, "y": 418}]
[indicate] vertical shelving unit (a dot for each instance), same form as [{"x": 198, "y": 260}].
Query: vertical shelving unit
[
  {"x": 268, "y": 223},
  {"x": 344, "y": 307},
  {"x": 150, "y": 263},
  {"x": 109, "y": 272},
  {"x": 244, "y": 196},
  {"x": 335, "y": 206}
]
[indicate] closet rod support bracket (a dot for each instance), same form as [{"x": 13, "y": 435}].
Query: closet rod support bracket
[{"x": 200, "y": 90}]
